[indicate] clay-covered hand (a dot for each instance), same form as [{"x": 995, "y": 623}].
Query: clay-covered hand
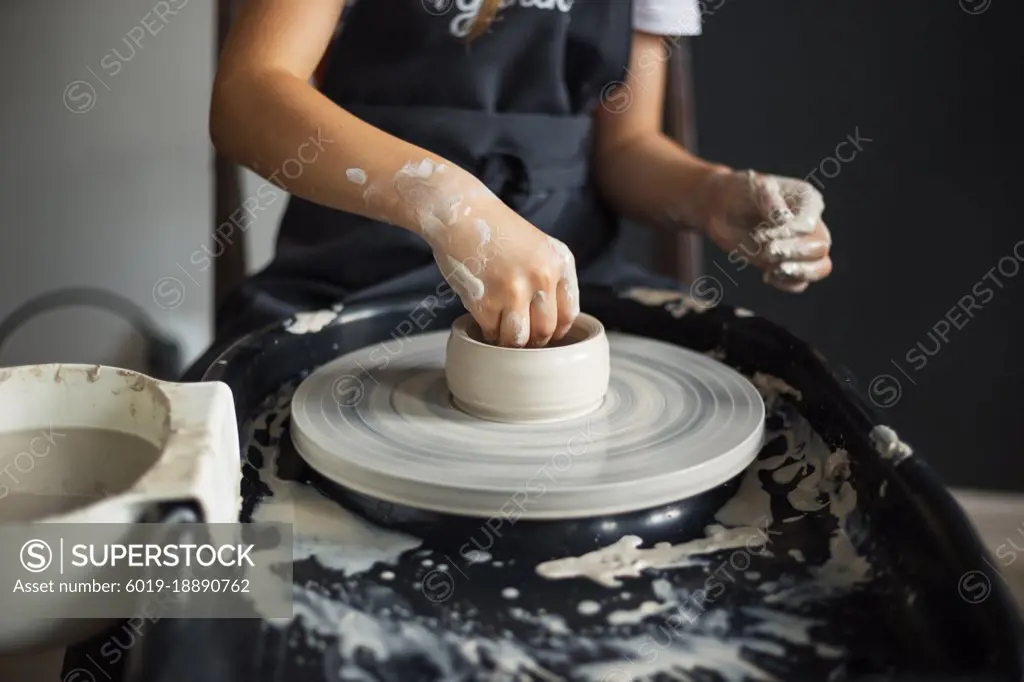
[
  {"x": 519, "y": 284},
  {"x": 772, "y": 222}
]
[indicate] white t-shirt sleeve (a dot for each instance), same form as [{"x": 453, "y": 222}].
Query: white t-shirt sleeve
[{"x": 667, "y": 17}]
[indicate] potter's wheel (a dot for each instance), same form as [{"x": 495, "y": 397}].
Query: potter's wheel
[
  {"x": 469, "y": 604},
  {"x": 674, "y": 423}
]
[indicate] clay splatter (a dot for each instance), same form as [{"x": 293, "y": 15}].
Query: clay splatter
[
  {"x": 889, "y": 445},
  {"x": 311, "y": 322},
  {"x": 625, "y": 558},
  {"x": 353, "y": 630},
  {"x": 465, "y": 283}
]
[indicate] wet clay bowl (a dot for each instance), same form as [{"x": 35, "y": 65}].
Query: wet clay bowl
[
  {"x": 105, "y": 448},
  {"x": 528, "y": 385}
]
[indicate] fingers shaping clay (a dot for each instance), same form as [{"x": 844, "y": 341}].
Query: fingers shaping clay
[{"x": 520, "y": 385}]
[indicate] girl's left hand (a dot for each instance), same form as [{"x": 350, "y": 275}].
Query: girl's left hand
[{"x": 773, "y": 223}]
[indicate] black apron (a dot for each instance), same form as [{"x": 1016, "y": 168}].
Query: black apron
[{"x": 514, "y": 107}]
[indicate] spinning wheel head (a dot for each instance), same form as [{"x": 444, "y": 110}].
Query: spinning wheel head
[
  {"x": 673, "y": 424},
  {"x": 528, "y": 385}
]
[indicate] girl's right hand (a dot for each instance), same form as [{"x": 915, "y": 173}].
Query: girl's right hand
[{"x": 519, "y": 284}]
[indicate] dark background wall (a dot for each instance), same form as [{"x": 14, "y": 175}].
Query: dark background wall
[{"x": 919, "y": 216}]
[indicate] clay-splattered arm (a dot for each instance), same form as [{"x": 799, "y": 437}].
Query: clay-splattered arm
[
  {"x": 519, "y": 284},
  {"x": 770, "y": 222},
  {"x": 266, "y": 116},
  {"x": 644, "y": 174}
]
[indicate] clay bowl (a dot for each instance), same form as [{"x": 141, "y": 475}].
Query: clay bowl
[
  {"x": 107, "y": 448},
  {"x": 528, "y": 385}
]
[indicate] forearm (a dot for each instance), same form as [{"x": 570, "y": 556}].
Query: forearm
[
  {"x": 286, "y": 131},
  {"x": 651, "y": 179}
]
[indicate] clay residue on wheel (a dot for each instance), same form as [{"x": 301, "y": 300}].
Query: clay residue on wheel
[
  {"x": 888, "y": 444},
  {"x": 768, "y": 385},
  {"x": 626, "y": 558},
  {"x": 675, "y": 302},
  {"x": 311, "y": 322},
  {"x": 370, "y": 623}
]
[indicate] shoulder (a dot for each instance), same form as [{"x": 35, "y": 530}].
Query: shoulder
[{"x": 667, "y": 17}]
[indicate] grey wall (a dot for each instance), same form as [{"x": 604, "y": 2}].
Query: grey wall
[{"x": 108, "y": 183}]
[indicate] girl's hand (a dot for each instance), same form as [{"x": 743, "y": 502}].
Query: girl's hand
[
  {"x": 519, "y": 284},
  {"x": 772, "y": 222}
]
